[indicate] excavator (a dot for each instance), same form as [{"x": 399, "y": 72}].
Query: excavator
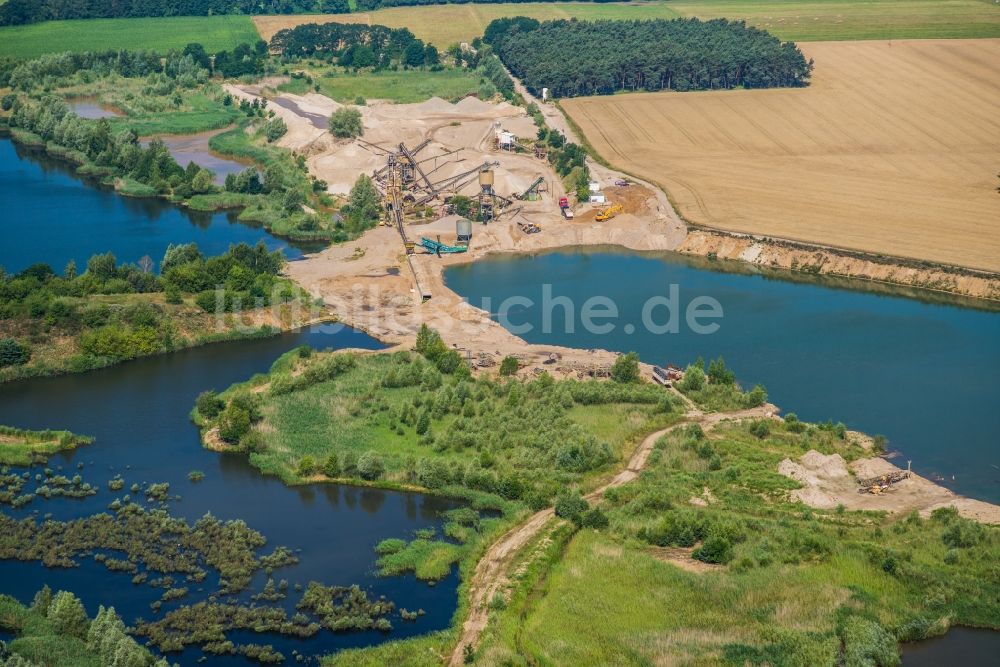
[{"x": 610, "y": 212}]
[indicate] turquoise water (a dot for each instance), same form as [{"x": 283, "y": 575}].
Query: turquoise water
[{"x": 926, "y": 375}]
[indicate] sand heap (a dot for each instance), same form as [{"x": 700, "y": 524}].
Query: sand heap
[{"x": 828, "y": 481}]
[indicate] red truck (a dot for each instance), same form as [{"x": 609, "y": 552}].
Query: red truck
[{"x": 564, "y": 207}]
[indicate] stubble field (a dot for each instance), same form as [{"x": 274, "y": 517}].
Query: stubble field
[
  {"x": 444, "y": 25},
  {"x": 893, "y": 149}
]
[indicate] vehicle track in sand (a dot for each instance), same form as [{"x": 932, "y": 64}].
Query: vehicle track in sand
[{"x": 492, "y": 570}]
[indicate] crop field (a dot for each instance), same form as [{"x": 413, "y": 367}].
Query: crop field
[
  {"x": 797, "y": 20},
  {"x": 825, "y": 20},
  {"x": 216, "y": 33},
  {"x": 893, "y": 149},
  {"x": 444, "y": 25}
]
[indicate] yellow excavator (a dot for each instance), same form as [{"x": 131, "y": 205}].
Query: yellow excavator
[{"x": 610, "y": 212}]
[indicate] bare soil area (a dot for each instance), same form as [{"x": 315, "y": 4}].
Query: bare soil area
[
  {"x": 893, "y": 149},
  {"x": 829, "y": 481}
]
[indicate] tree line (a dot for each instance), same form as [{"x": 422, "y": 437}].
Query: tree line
[
  {"x": 18, "y": 12},
  {"x": 567, "y": 56},
  {"x": 354, "y": 45}
]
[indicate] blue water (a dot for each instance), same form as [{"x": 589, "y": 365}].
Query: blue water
[
  {"x": 49, "y": 214},
  {"x": 138, "y": 413},
  {"x": 926, "y": 375}
]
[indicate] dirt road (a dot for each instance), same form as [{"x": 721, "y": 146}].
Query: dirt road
[{"x": 491, "y": 573}]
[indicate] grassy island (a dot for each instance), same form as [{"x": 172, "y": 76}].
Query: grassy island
[{"x": 20, "y": 447}]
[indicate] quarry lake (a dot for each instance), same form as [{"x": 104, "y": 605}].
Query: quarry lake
[
  {"x": 52, "y": 215},
  {"x": 138, "y": 415},
  {"x": 926, "y": 375}
]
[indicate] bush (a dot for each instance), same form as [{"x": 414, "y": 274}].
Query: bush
[
  {"x": 234, "y": 423},
  {"x": 570, "y": 506},
  {"x": 209, "y": 405},
  {"x": 331, "y": 466},
  {"x": 678, "y": 528},
  {"x": 13, "y": 353},
  {"x": 68, "y": 616},
  {"x": 345, "y": 123},
  {"x": 867, "y": 644},
  {"x": 626, "y": 368},
  {"x": 694, "y": 379},
  {"x": 714, "y": 550},
  {"x": 594, "y": 518},
  {"x": 760, "y": 429},
  {"x": 370, "y": 466},
  {"x": 307, "y": 466},
  {"x": 719, "y": 374},
  {"x": 508, "y": 366}
]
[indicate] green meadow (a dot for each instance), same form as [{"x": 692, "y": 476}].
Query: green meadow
[{"x": 216, "y": 33}]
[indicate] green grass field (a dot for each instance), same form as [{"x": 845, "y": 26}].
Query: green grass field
[
  {"x": 216, "y": 33},
  {"x": 400, "y": 87},
  {"x": 830, "y": 20}
]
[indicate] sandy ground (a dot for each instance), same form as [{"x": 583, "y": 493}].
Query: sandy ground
[
  {"x": 893, "y": 149},
  {"x": 829, "y": 481}
]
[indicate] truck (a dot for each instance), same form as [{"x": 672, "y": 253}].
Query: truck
[{"x": 567, "y": 212}]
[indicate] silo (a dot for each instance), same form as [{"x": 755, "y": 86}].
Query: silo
[
  {"x": 463, "y": 228},
  {"x": 486, "y": 180}
]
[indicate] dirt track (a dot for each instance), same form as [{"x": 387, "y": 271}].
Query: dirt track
[{"x": 491, "y": 573}]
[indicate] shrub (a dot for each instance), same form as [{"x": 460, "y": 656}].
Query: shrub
[
  {"x": 13, "y": 353},
  {"x": 625, "y": 370},
  {"x": 234, "y": 423},
  {"x": 714, "y": 550},
  {"x": 345, "y": 123},
  {"x": 719, "y": 374},
  {"x": 370, "y": 466},
  {"x": 307, "y": 466},
  {"x": 508, "y": 366},
  {"x": 963, "y": 533},
  {"x": 677, "y": 528},
  {"x": 68, "y": 616},
  {"x": 331, "y": 466},
  {"x": 594, "y": 518},
  {"x": 694, "y": 379},
  {"x": 760, "y": 429},
  {"x": 209, "y": 405},
  {"x": 866, "y": 643},
  {"x": 570, "y": 506}
]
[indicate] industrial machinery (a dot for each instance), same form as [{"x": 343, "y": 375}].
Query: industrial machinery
[
  {"x": 610, "y": 212},
  {"x": 533, "y": 190},
  {"x": 439, "y": 248}
]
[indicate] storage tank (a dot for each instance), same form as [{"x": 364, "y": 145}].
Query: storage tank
[
  {"x": 486, "y": 178},
  {"x": 463, "y": 228}
]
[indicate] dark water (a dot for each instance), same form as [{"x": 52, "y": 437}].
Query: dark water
[
  {"x": 925, "y": 375},
  {"x": 138, "y": 413},
  {"x": 970, "y": 647},
  {"x": 49, "y": 214}
]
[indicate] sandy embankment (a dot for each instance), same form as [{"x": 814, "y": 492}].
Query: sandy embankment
[
  {"x": 829, "y": 481},
  {"x": 368, "y": 282}
]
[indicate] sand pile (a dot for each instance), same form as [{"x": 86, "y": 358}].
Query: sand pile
[{"x": 827, "y": 481}]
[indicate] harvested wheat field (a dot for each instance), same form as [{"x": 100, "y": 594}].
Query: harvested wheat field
[
  {"x": 894, "y": 149},
  {"x": 444, "y": 25}
]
